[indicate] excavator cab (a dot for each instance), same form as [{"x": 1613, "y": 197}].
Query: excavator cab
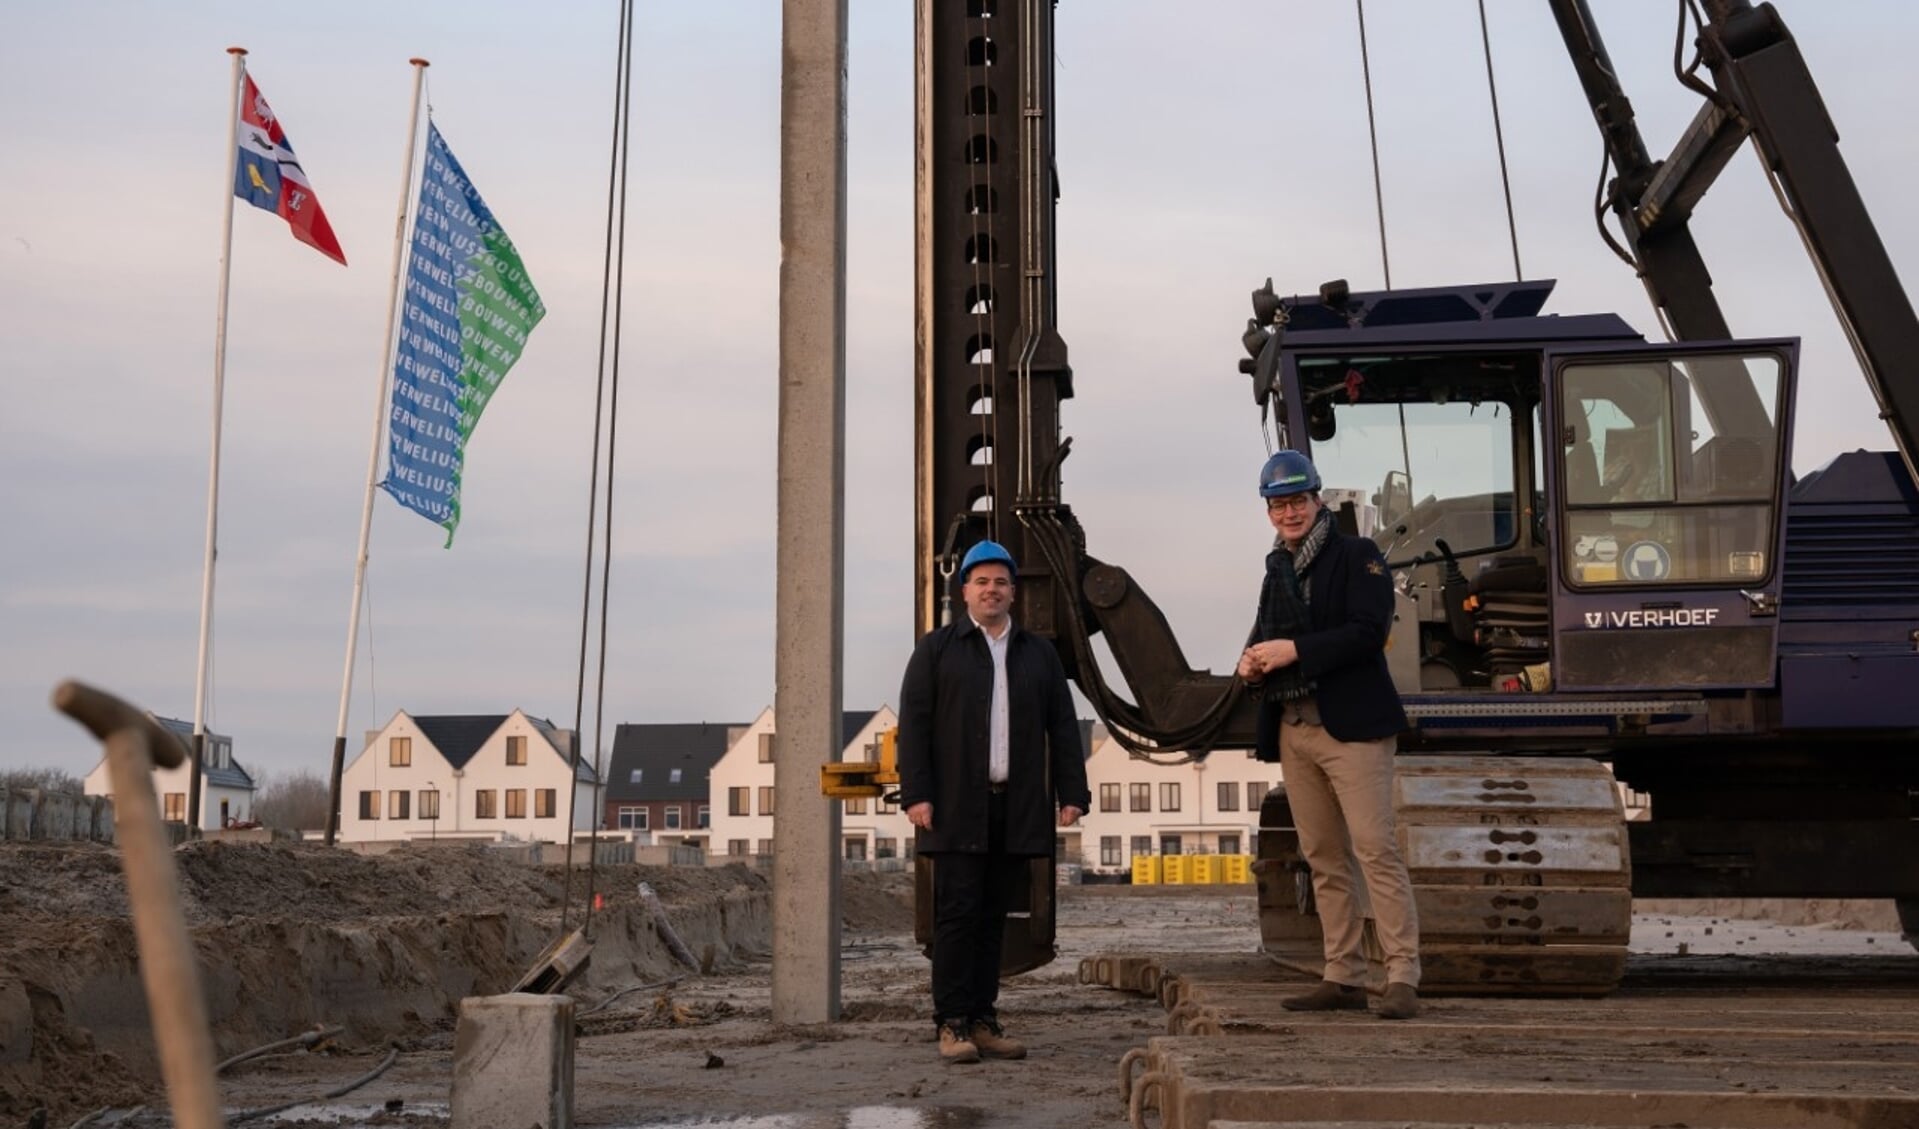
[{"x": 1565, "y": 508}]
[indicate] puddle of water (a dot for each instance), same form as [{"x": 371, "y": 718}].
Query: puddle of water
[
  {"x": 351, "y": 1116},
  {"x": 859, "y": 1117}
]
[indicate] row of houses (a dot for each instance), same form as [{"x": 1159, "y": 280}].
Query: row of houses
[{"x": 512, "y": 777}]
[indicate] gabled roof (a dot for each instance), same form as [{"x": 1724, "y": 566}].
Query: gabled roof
[
  {"x": 851, "y": 722},
  {"x": 562, "y": 741},
  {"x": 226, "y": 776},
  {"x": 459, "y": 736},
  {"x": 654, "y": 752}
]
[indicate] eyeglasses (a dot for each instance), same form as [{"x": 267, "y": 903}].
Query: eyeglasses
[{"x": 1295, "y": 503}]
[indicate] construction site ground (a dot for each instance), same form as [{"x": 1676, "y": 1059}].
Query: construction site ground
[{"x": 1824, "y": 997}]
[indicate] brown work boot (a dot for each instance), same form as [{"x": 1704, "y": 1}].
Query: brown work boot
[
  {"x": 1329, "y": 996},
  {"x": 993, "y": 1042},
  {"x": 956, "y": 1044},
  {"x": 1401, "y": 1001}
]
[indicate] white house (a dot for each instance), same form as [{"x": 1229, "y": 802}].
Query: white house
[
  {"x": 1144, "y": 808},
  {"x": 226, "y": 789},
  {"x": 742, "y": 793},
  {"x": 487, "y": 777}
]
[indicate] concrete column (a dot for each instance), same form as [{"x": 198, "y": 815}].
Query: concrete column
[
  {"x": 810, "y": 589},
  {"x": 513, "y": 1062}
]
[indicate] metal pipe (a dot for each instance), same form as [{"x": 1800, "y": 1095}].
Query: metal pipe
[{"x": 135, "y": 743}]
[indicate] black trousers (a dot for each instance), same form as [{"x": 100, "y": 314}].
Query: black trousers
[{"x": 971, "y": 896}]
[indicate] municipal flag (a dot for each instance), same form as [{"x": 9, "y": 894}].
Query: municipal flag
[
  {"x": 469, "y": 307},
  {"x": 269, "y": 176}
]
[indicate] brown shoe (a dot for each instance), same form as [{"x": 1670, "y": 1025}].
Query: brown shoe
[
  {"x": 1401, "y": 1001},
  {"x": 1329, "y": 996},
  {"x": 956, "y": 1044},
  {"x": 992, "y": 1041}
]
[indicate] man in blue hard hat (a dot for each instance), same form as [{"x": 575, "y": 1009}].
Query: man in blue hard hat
[
  {"x": 989, "y": 760},
  {"x": 1330, "y": 716}
]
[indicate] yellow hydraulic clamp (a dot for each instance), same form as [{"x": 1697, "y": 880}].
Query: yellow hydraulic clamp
[{"x": 852, "y": 780}]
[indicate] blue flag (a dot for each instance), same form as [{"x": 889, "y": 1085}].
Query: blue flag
[{"x": 469, "y": 308}]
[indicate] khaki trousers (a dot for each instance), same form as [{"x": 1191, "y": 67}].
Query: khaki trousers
[{"x": 1342, "y": 799}]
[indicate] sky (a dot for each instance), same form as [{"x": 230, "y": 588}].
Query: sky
[{"x": 1201, "y": 148}]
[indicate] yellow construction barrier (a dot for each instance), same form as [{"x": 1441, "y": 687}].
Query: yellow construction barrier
[
  {"x": 1203, "y": 870},
  {"x": 1145, "y": 870},
  {"x": 1175, "y": 870},
  {"x": 1238, "y": 868}
]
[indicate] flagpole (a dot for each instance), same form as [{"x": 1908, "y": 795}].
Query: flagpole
[
  {"x": 373, "y": 451},
  {"x": 194, "y": 773}
]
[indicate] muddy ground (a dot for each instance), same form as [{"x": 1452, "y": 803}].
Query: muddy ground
[{"x": 293, "y": 937}]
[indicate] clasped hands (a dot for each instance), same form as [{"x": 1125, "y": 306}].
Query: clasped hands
[
  {"x": 921, "y": 815},
  {"x": 1260, "y": 659}
]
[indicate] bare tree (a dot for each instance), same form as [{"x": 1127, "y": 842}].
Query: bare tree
[
  {"x": 293, "y": 803},
  {"x": 46, "y": 779}
]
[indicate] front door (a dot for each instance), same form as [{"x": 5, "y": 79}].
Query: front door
[{"x": 1668, "y": 488}]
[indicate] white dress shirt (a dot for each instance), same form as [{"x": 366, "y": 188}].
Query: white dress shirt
[{"x": 997, "y": 726}]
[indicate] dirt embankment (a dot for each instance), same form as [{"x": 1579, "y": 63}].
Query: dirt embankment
[{"x": 294, "y": 936}]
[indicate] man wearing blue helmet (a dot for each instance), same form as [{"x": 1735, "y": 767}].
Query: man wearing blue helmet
[
  {"x": 1329, "y": 714},
  {"x": 989, "y": 752}
]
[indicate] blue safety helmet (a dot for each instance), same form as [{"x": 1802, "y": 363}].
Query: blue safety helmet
[
  {"x": 987, "y": 552},
  {"x": 1287, "y": 472}
]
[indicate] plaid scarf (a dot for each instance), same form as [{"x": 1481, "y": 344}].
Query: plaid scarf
[{"x": 1283, "y": 605}]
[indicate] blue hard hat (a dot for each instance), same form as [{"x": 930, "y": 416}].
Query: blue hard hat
[
  {"x": 1287, "y": 472},
  {"x": 987, "y": 552}
]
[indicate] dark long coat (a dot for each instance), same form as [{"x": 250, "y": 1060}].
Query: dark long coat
[
  {"x": 1351, "y": 605},
  {"x": 945, "y": 702}
]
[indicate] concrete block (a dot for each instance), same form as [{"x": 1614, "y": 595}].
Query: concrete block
[{"x": 513, "y": 1062}]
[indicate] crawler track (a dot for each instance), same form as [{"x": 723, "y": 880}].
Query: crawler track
[{"x": 1707, "y": 1042}]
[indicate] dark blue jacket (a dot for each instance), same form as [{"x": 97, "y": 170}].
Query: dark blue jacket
[
  {"x": 1351, "y": 604},
  {"x": 946, "y": 701}
]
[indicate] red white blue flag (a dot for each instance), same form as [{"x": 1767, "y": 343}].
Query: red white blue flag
[{"x": 269, "y": 176}]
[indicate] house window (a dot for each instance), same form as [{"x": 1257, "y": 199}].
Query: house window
[
  {"x": 1255, "y": 795},
  {"x": 673, "y": 777},
  {"x": 1109, "y": 850},
  {"x": 886, "y": 848},
  {"x": 1109, "y": 797},
  {"x": 1142, "y": 845},
  {"x": 736, "y": 802},
  {"x": 766, "y": 846},
  {"x": 486, "y": 804},
  {"x": 632, "y": 819},
  {"x": 703, "y": 817},
  {"x": 855, "y": 850},
  {"x": 634, "y": 776},
  {"x": 399, "y": 751},
  {"x": 766, "y": 801},
  {"x": 399, "y": 805},
  {"x": 886, "y": 806},
  {"x": 1228, "y": 796},
  {"x": 1169, "y": 797},
  {"x": 516, "y": 750},
  {"x": 176, "y": 807},
  {"x": 1229, "y": 844},
  {"x": 516, "y": 803},
  {"x": 1140, "y": 797},
  {"x": 856, "y": 805},
  {"x": 1169, "y": 845},
  {"x": 429, "y": 803},
  {"x": 369, "y": 805},
  {"x": 673, "y": 817},
  {"x": 766, "y": 748},
  {"x": 544, "y": 802},
  {"x": 737, "y": 847}
]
